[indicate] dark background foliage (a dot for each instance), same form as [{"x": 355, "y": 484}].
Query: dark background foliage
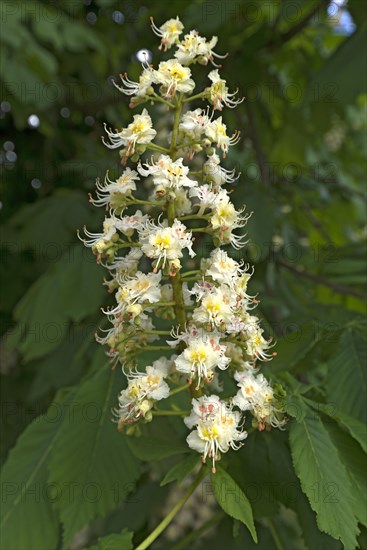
[{"x": 300, "y": 65}]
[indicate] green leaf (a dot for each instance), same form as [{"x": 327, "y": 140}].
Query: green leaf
[
  {"x": 152, "y": 448},
  {"x": 67, "y": 209},
  {"x": 232, "y": 499},
  {"x": 294, "y": 347},
  {"x": 254, "y": 462},
  {"x": 324, "y": 479},
  {"x": 122, "y": 541},
  {"x": 27, "y": 518},
  {"x": 347, "y": 385},
  {"x": 68, "y": 291},
  {"x": 91, "y": 457},
  {"x": 357, "y": 429},
  {"x": 339, "y": 78},
  {"x": 283, "y": 486},
  {"x": 260, "y": 227},
  {"x": 355, "y": 462},
  {"x": 180, "y": 470}
]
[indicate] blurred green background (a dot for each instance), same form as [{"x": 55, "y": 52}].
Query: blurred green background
[{"x": 302, "y": 155}]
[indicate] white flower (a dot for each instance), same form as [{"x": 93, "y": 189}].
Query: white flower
[
  {"x": 140, "y": 131},
  {"x": 215, "y": 174},
  {"x": 195, "y": 49},
  {"x": 142, "y": 391},
  {"x": 218, "y": 92},
  {"x": 256, "y": 343},
  {"x": 217, "y": 428},
  {"x": 216, "y": 131},
  {"x": 207, "y": 197},
  {"x": 216, "y": 307},
  {"x": 201, "y": 357},
  {"x": 239, "y": 284},
  {"x": 173, "y": 78},
  {"x": 221, "y": 267},
  {"x": 167, "y": 294},
  {"x": 257, "y": 396},
  {"x": 138, "y": 289},
  {"x": 167, "y": 173},
  {"x": 138, "y": 89},
  {"x": 201, "y": 289},
  {"x": 224, "y": 213},
  {"x": 225, "y": 216},
  {"x": 169, "y": 32},
  {"x": 128, "y": 264},
  {"x": 112, "y": 193},
  {"x": 182, "y": 202},
  {"x": 128, "y": 224},
  {"x": 186, "y": 336},
  {"x": 99, "y": 242},
  {"x": 194, "y": 123},
  {"x": 165, "y": 243}
]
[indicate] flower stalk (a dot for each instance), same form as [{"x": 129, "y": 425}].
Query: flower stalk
[
  {"x": 156, "y": 268},
  {"x": 169, "y": 517}
]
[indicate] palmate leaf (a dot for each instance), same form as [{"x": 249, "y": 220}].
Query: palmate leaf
[
  {"x": 347, "y": 375},
  {"x": 27, "y": 496},
  {"x": 357, "y": 429},
  {"x": 153, "y": 448},
  {"x": 91, "y": 459},
  {"x": 121, "y": 541},
  {"x": 44, "y": 313},
  {"x": 180, "y": 470},
  {"x": 324, "y": 479},
  {"x": 232, "y": 499},
  {"x": 356, "y": 463}
]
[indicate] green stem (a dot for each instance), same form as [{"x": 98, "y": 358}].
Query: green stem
[
  {"x": 154, "y": 348},
  {"x": 159, "y": 412},
  {"x": 179, "y": 389},
  {"x": 194, "y": 535},
  {"x": 171, "y": 215},
  {"x": 129, "y": 244},
  {"x": 139, "y": 201},
  {"x": 194, "y": 217},
  {"x": 193, "y": 272},
  {"x": 201, "y": 230},
  {"x": 154, "y": 147},
  {"x": 161, "y": 304},
  {"x": 274, "y": 532},
  {"x": 169, "y": 517},
  {"x": 176, "y": 124},
  {"x": 159, "y": 332},
  {"x": 158, "y": 98},
  {"x": 197, "y": 96},
  {"x": 188, "y": 144}
]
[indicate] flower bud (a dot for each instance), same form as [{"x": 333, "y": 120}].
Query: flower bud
[{"x": 134, "y": 310}]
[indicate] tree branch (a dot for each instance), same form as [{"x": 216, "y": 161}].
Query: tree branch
[
  {"x": 341, "y": 289},
  {"x": 256, "y": 142},
  {"x": 296, "y": 29}
]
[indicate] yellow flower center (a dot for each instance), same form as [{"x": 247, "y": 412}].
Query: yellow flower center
[
  {"x": 213, "y": 306},
  {"x": 222, "y": 130},
  {"x": 210, "y": 432},
  {"x": 138, "y": 127},
  {"x": 178, "y": 73},
  {"x": 199, "y": 355},
  {"x": 153, "y": 379},
  {"x": 172, "y": 28},
  {"x": 142, "y": 285},
  {"x": 175, "y": 171},
  {"x": 162, "y": 241}
]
